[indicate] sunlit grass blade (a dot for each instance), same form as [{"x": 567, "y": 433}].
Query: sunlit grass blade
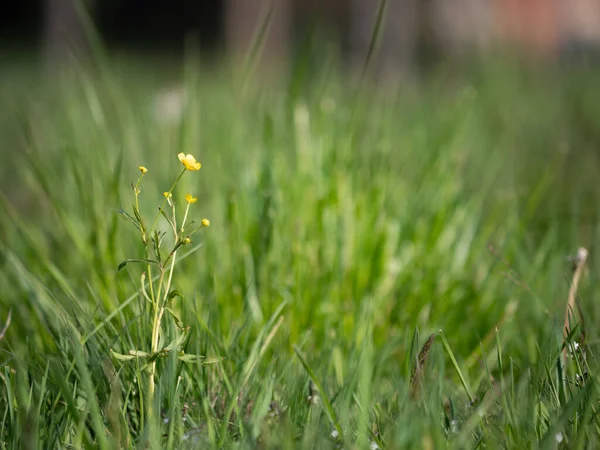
[{"x": 456, "y": 366}]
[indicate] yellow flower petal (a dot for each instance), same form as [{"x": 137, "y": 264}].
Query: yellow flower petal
[
  {"x": 205, "y": 222},
  {"x": 189, "y": 162},
  {"x": 167, "y": 195},
  {"x": 190, "y": 199},
  {"x": 143, "y": 169}
]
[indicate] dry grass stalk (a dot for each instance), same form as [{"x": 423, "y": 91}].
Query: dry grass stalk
[
  {"x": 3, "y": 332},
  {"x": 417, "y": 372},
  {"x": 580, "y": 260}
]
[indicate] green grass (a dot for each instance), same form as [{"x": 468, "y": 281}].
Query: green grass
[{"x": 347, "y": 226}]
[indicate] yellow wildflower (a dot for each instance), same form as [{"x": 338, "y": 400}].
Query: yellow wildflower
[
  {"x": 189, "y": 161},
  {"x": 205, "y": 222},
  {"x": 167, "y": 195},
  {"x": 143, "y": 169},
  {"x": 186, "y": 241},
  {"x": 190, "y": 199}
]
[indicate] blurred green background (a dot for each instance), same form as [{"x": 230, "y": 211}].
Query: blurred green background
[{"x": 333, "y": 196}]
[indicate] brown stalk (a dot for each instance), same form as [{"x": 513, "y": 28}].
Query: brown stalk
[
  {"x": 3, "y": 332},
  {"x": 580, "y": 260},
  {"x": 415, "y": 376}
]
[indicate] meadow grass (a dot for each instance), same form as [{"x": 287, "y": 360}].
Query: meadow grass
[{"x": 385, "y": 268}]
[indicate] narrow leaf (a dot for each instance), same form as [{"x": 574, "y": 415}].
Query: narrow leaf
[
  {"x": 177, "y": 320},
  {"x": 164, "y": 214},
  {"x": 190, "y": 358},
  {"x": 177, "y": 342},
  {"x": 174, "y": 293},
  {"x": 145, "y": 261},
  {"x": 213, "y": 360},
  {"x": 137, "y": 214},
  {"x": 156, "y": 240},
  {"x": 130, "y": 219},
  {"x": 121, "y": 357},
  {"x": 456, "y": 366}
]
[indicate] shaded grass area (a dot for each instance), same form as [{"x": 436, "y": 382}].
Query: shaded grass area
[{"x": 346, "y": 228}]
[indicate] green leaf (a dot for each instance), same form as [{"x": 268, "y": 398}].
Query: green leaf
[
  {"x": 139, "y": 354},
  {"x": 164, "y": 214},
  {"x": 178, "y": 321},
  {"x": 130, "y": 219},
  {"x": 174, "y": 293},
  {"x": 213, "y": 360},
  {"x": 137, "y": 214},
  {"x": 199, "y": 358},
  {"x": 156, "y": 241},
  {"x": 177, "y": 342},
  {"x": 146, "y": 261},
  {"x": 190, "y": 358},
  {"x": 121, "y": 357},
  {"x": 456, "y": 366},
  {"x": 140, "y": 221}
]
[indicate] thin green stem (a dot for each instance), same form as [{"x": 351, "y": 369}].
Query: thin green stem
[
  {"x": 158, "y": 305},
  {"x": 151, "y": 383},
  {"x": 158, "y": 313},
  {"x": 150, "y": 283},
  {"x": 170, "y": 275},
  {"x": 185, "y": 217},
  {"x": 136, "y": 191},
  {"x": 175, "y": 252},
  {"x": 165, "y": 200},
  {"x": 151, "y": 386}
]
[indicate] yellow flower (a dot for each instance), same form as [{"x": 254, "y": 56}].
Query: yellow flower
[
  {"x": 189, "y": 161},
  {"x": 167, "y": 195},
  {"x": 143, "y": 169},
  {"x": 205, "y": 222},
  {"x": 186, "y": 241},
  {"x": 190, "y": 199}
]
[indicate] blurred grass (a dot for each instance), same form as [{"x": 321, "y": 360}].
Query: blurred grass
[{"x": 369, "y": 213}]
